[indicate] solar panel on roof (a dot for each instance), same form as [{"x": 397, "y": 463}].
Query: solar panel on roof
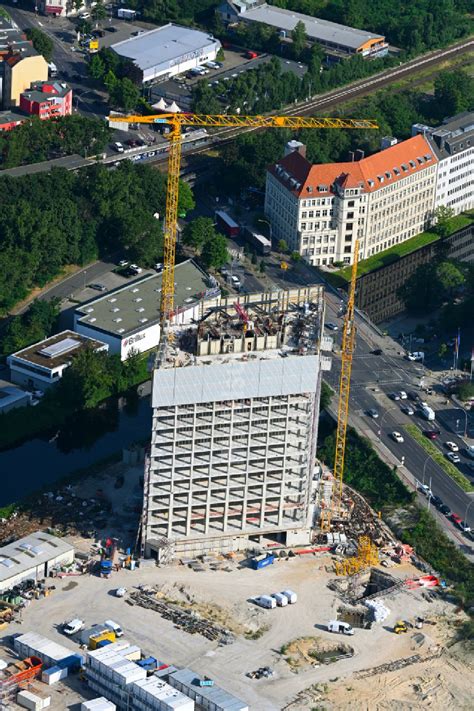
[{"x": 59, "y": 348}]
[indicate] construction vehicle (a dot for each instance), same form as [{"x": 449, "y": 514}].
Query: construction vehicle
[
  {"x": 400, "y": 627},
  {"x": 175, "y": 122}
]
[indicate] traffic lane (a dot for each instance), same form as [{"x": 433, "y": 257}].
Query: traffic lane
[{"x": 422, "y": 466}]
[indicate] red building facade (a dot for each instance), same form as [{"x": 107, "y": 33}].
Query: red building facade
[{"x": 47, "y": 99}]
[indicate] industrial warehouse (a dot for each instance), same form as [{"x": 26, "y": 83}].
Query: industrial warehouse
[
  {"x": 128, "y": 319},
  {"x": 166, "y": 51},
  {"x": 32, "y": 557}
]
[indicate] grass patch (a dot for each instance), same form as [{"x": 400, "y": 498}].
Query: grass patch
[
  {"x": 389, "y": 256},
  {"x": 256, "y": 634},
  {"x": 439, "y": 458}
]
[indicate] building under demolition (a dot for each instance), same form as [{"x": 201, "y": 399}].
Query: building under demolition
[{"x": 235, "y": 415}]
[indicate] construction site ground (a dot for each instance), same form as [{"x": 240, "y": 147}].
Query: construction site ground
[{"x": 444, "y": 679}]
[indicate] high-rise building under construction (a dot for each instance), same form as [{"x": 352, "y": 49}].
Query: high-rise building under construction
[{"x": 235, "y": 418}]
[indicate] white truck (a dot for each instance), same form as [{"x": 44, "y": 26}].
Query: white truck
[
  {"x": 266, "y": 601},
  {"x": 340, "y": 627},
  {"x": 427, "y": 412},
  {"x": 126, "y": 14},
  {"x": 292, "y": 596},
  {"x": 115, "y": 627}
]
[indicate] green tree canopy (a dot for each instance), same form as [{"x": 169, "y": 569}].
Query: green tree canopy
[
  {"x": 454, "y": 92},
  {"x": 214, "y": 252},
  {"x": 198, "y": 232},
  {"x": 87, "y": 381},
  {"x": 41, "y": 42},
  {"x": 299, "y": 38},
  {"x": 36, "y": 323}
]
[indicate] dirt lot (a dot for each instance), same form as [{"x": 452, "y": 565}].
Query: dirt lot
[{"x": 92, "y": 600}]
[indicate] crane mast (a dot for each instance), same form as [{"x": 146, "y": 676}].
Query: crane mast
[{"x": 347, "y": 351}]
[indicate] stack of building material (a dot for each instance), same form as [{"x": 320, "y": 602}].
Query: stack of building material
[
  {"x": 152, "y": 694},
  {"x": 379, "y": 610},
  {"x": 50, "y": 653},
  {"x": 210, "y": 698},
  {"x": 33, "y": 701},
  {"x": 99, "y": 704}
]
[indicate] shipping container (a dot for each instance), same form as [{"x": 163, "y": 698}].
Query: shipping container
[
  {"x": 108, "y": 634},
  {"x": 99, "y": 704},
  {"x": 292, "y": 596},
  {"x": 266, "y": 601}
]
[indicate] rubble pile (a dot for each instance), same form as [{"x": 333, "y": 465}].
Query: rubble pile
[
  {"x": 379, "y": 610},
  {"x": 187, "y": 620}
]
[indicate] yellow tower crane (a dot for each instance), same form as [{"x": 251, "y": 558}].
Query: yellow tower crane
[
  {"x": 347, "y": 351},
  {"x": 176, "y": 121}
]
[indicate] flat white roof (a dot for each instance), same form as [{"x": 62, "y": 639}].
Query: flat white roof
[
  {"x": 169, "y": 44},
  {"x": 29, "y": 552},
  {"x": 323, "y": 30}
]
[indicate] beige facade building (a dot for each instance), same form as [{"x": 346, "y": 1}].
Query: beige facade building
[
  {"x": 20, "y": 73},
  {"x": 382, "y": 200}
]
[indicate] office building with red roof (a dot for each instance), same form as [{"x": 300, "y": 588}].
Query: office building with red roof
[{"x": 382, "y": 200}]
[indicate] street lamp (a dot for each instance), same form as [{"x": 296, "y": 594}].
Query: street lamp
[
  {"x": 389, "y": 409},
  {"x": 464, "y": 412},
  {"x": 467, "y": 509}
]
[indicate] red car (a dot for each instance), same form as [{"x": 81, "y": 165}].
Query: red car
[
  {"x": 457, "y": 520},
  {"x": 430, "y": 434}
]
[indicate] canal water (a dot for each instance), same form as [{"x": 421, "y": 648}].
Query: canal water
[{"x": 83, "y": 440}]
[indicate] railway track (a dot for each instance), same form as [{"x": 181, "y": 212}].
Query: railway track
[{"x": 336, "y": 97}]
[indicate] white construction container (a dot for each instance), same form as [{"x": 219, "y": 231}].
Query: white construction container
[
  {"x": 266, "y": 601},
  {"x": 29, "y": 700},
  {"x": 53, "y": 675},
  {"x": 132, "y": 653},
  {"x": 99, "y": 704},
  {"x": 292, "y": 596},
  {"x": 152, "y": 693},
  {"x": 33, "y": 644},
  {"x": 281, "y": 600}
]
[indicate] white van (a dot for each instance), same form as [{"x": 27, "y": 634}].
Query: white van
[
  {"x": 340, "y": 627},
  {"x": 292, "y": 596},
  {"x": 281, "y": 600},
  {"x": 73, "y": 626},
  {"x": 114, "y": 627},
  {"x": 266, "y": 601}
]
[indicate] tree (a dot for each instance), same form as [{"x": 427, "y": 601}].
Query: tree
[
  {"x": 282, "y": 246},
  {"x": 326, "y": 396},
  {"x": 96, "y": 66},
  {"x": 262, "y": 267},
  {"x": 214, "y": 253},
  {"x": 35, "y": 324},
  {"x": 299, "y": 38},
  {"x": 198, "y": 232},
  {"x": 465, "y": 391},
  {"x": 454, "y": 92},
  {"x": 449, "y": 276},
  {"x": 253, "y": 258},
  {"x": 87, "y": 381},
  {"x": 99, "y": 12},
  {"x": 295, "y": 256},
  {"x": 41, "y": 42},
  {"x": 442, "y": 350},
  {"x": 443, "y": 215},
  {"x": 123, "y": 93},
  {"x": 430, "y": 285}
]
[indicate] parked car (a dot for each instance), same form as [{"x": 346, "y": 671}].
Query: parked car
[
  {"x": 453, "y": 457},
  {"x": 135, "y": 268},
  {"x": 445, "y": 510},
  {"x": 425, "y": 489},
  {"x": 235, "y": 280},
  {"x": 417, "y": 356},
  {"x": 117, "y": 146},
  {"x": 456, "y": 519},
  {"x": 394, "y": 396},
  {"x": 452, "y": 446},
  {"x": 73, "y": 626},
  {"x": 465, "y": 528},
  {"x": 120, "y": 592},
  {"x": 377, "y": 351},
  {"x": 158, "y": 266},
  {"x": 123, "y": 263},
  {"x": 397, "y": 437},
  {"x": 413, "y": 396},
  {"x": 436, "y": 501},
  {"x": 131, "y": 142},
  {"x": 407, "y": 409},
  {"x": 373, "y": 413},
  {"x": 98, "y": 287},
  {"x": 111, "y": 29},
  {"x": 340, "y": 627},
  {"x": 402, "y": 395},
  {"x": 332, "y": 326}
]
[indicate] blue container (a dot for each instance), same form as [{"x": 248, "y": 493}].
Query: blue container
[
  {"x": 148, "y": 663},
  {"x": 73, "y": 663},
  {"x": 262, "y": 562},
  {"x": 103, "y": 643}
]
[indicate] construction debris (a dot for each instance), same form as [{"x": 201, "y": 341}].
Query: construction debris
[
  {"x": 396, "y": 665},
  {"x": 187, "y": 620},
  {"x": 379, "y": 611}
]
